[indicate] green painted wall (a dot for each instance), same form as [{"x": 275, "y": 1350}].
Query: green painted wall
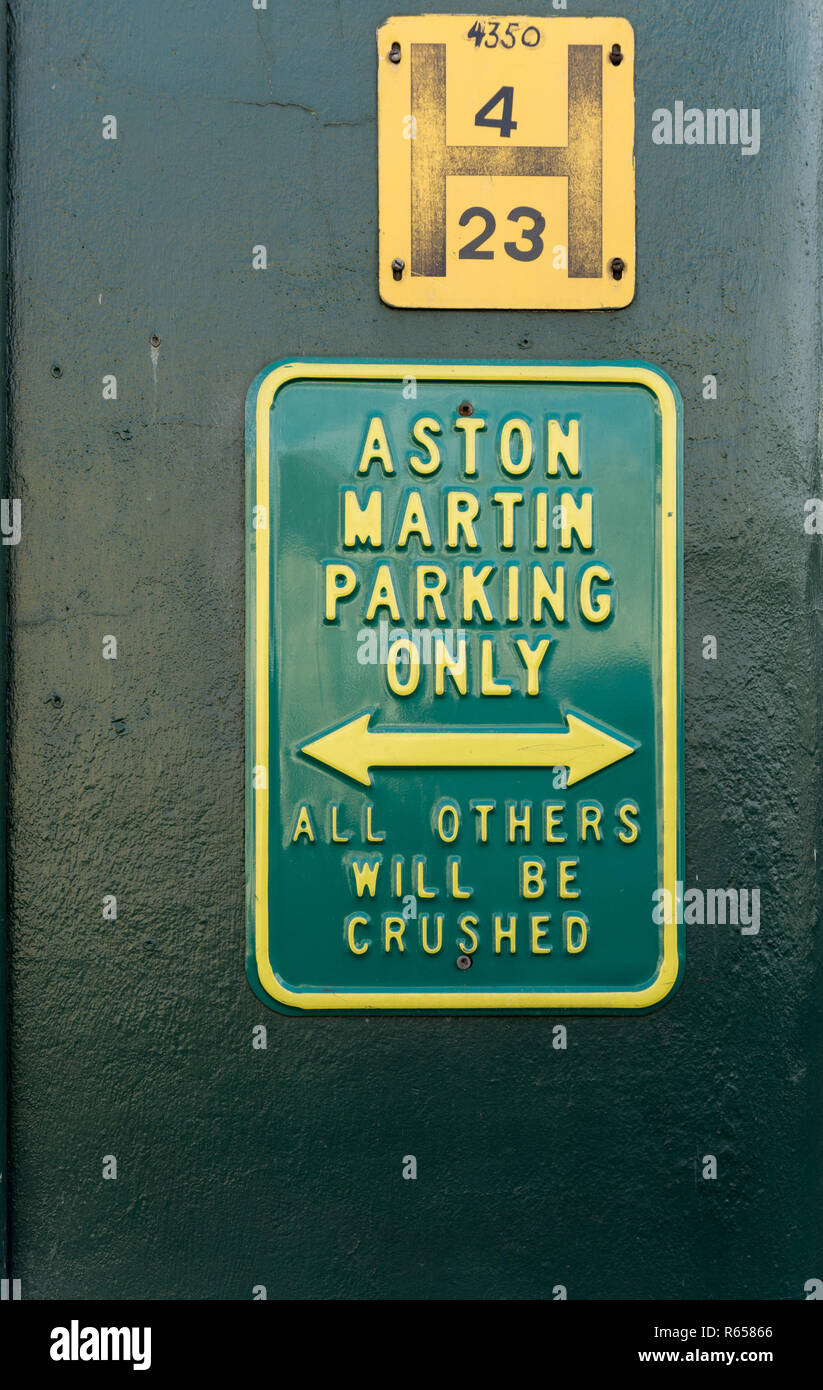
[{"x": 282, "y": 1167}]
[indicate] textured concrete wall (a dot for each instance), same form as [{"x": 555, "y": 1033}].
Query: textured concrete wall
[{"x": 132, "y": 1037}]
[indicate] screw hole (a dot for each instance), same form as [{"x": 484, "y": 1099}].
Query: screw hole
[
  {"x": 616, "y": 55},
  {"x": 56, "y": 371},
  {"x": 465, "y": 408},
  {"x": 155, "y": 340},
  {"x": 464, "y": 962}
]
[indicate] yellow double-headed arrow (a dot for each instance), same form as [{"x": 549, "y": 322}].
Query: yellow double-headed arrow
[{"x": 354, "y": 748}]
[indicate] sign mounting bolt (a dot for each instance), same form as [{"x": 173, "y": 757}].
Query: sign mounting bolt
[
  {"x": 464, "y": 962},
  {"x": 465, "y": 408},
  {"x": 616, "y": 268},
  {"x": 397, "y": 268},
  {"x": 616, "y": 55},
  {"x": 394, "y": 53}
]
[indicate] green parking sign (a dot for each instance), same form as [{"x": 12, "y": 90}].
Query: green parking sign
[{"x": 463, "y": 686}]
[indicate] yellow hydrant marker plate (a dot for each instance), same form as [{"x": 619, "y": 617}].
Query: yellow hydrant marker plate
[{"x": 506, "y": 162}]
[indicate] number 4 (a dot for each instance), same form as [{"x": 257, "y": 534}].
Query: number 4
[{"x": 504, "y": 97}]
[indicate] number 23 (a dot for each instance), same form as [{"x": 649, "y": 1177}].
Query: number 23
[{"x": 471, "y": 251}]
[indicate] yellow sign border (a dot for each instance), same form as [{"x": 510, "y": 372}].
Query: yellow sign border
[{"x": 631, "y": 374}]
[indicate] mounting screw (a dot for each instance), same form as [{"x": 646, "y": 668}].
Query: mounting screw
[
  {"x": 56, "y": 371},
  {"x": 465, "y": 408},
  {"x": 394, "y": 53},
  {"x": 616, "y": 55},
  {"x": 464, "y": 962},
  {"x": 397, "y": 268},
  {"x": 616, "y": 267},
  {"x": 55, "y": 700},
  {"x": 155, "y": 340}
]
